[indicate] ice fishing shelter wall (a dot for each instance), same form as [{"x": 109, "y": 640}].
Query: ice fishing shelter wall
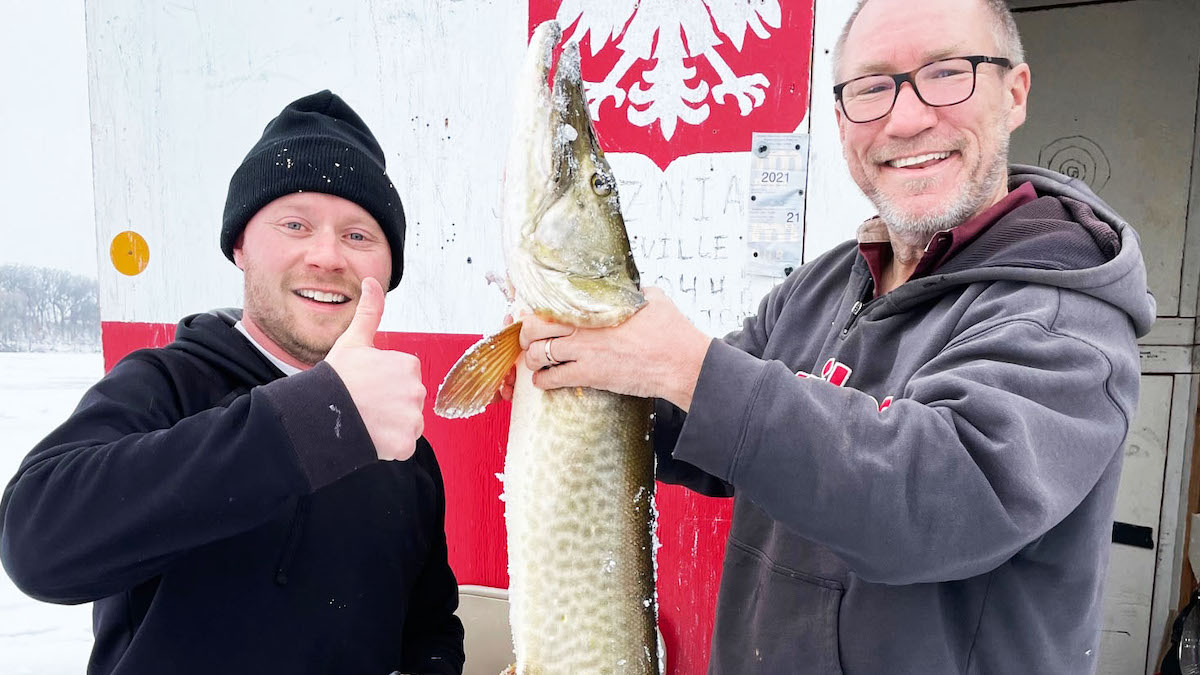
[{"x": 179, "y": 92}]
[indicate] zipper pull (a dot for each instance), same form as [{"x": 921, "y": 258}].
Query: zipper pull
[
  {"x": 854, "y": 310},
  {"x": 866, "y": 292}
]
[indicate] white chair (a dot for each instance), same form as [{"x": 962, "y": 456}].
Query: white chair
[{"x": 488, "y": 642}]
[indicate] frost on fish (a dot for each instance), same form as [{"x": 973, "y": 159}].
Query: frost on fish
[
  {"x": 578, "y": 479},
  {"x": 566, "y": 134},
  {"x": 579, "y": 512}
]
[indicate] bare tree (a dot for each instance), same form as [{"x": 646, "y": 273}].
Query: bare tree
[{"x": 45, "y": 309}]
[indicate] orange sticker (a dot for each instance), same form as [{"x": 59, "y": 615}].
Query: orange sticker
[{"x": 129, "y": 253}]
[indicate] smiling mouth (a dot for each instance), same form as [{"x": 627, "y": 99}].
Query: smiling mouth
[
  {"x": 322, "y": 296},
  {"x": 918, "y": 161}
]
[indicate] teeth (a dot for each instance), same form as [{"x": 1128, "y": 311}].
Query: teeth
[
  {"x": 321, "y": 296},
  {"x": 911, "y": 161}
]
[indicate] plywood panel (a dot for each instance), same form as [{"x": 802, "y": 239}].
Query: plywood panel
[
  {"x": 1170, "y": 559},
  {"x": 1167, "y": 359},
  {"x": 1171, "y": 332},
  {"x": 1130, "y": 586},
  {"x": 1114, "y": 102}
]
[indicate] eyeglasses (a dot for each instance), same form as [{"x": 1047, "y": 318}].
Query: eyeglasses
[{"x": 938, "y": 84}]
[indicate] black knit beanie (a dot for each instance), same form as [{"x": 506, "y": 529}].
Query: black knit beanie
[{"x": 317, "y": 144}]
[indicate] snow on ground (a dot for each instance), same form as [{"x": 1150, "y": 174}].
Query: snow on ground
[{"x": 38, "y": 392}]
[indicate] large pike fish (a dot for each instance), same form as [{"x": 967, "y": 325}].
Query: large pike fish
[{"x": 578, "y": 474}]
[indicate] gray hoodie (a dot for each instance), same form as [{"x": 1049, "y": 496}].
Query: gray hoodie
[{"x": 937, "y": 497}]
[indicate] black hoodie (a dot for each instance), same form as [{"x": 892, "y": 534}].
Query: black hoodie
[{"x": 224, "y": 518}]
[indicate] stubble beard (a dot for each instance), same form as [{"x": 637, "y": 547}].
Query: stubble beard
[
  {"x": 279, "y": 324},
  {"x": 971, "y": 197}
]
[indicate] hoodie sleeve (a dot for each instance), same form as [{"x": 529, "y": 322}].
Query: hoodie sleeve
[
  {"x": 992, "y": 443},
  {"x": 668, "y": 423},
  {"x": 669, "y": 419},
  {"x": 127, "y": 483},
  {"x": 433, "y": 635}
]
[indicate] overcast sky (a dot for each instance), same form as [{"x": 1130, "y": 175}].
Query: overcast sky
[{"x": 46, "y": 166}]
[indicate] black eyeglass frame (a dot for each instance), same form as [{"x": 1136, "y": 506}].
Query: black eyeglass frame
[{"x": 910, "y": 77}]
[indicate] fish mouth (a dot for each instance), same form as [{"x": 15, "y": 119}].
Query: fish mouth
[
  {"x": 565, "y": 244},
  {"x": 572, "y": 133},
  {"x": 567, "y": 123}
]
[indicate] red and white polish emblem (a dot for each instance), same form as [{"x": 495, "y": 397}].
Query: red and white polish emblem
[{"x": 668, "y": 78}]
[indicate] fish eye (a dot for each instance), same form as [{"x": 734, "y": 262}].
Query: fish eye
[{"x": 601, "y": 185}]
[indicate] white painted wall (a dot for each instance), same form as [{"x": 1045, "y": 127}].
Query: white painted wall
[
  {"x": 836, "y": 207},
  {"x": 179, "y": 93}
]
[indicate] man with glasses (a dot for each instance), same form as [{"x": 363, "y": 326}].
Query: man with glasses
[{"x": 922, "y": 428}]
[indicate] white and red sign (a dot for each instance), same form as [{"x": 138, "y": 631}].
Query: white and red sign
[{"x": 667, "y": 78}]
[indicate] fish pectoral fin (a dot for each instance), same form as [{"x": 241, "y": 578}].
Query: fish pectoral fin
[{"x": 473, "y": 382}]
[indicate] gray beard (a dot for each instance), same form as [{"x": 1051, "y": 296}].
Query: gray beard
[{"x": 972, "y": 197}]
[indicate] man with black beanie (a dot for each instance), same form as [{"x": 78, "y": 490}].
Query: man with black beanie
[{"x": 222, "y": 500}]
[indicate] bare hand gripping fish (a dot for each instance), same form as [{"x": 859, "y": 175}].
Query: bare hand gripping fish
[{"x": 579, "y": 471}]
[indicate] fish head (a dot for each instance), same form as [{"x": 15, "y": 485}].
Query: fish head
[{"x": 567, "y": 251}]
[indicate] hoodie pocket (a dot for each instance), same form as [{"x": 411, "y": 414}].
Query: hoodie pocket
[{"x": 772, "y": 619}]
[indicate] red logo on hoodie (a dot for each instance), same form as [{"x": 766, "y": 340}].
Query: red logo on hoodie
[{"x": 837, "y": 373}]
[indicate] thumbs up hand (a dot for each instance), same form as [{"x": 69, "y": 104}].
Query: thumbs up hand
[{"x": 385, "y": 385}]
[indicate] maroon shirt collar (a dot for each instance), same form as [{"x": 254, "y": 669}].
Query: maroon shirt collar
[{"x": 876, "y": 248}]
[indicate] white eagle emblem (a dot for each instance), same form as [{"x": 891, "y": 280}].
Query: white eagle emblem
[{"x": 672, "y": 34}]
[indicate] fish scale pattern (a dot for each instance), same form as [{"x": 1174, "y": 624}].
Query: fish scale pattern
[{"x": 579, "y": 483}]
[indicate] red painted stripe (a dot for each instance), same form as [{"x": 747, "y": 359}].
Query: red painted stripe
[
  {"x": 118, "y": 339},
  {"x": 691, "y": 528}
]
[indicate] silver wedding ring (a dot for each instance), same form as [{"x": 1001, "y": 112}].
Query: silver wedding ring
[{"x": 549, "y": 356}]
